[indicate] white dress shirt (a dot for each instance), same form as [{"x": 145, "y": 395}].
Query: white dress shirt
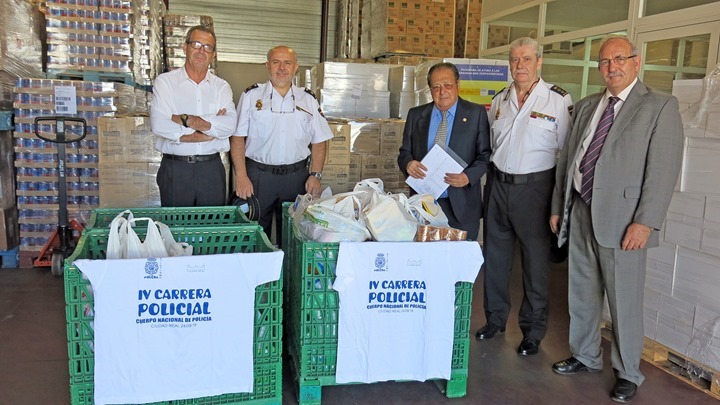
[
  {"x": 175, "y": 93},
  {"x": 279, "y": 129},
  {"x": 527, "y": 140},
  {"x": 588, "y": 136}
]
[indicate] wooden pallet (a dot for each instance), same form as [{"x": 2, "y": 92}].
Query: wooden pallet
[{"x": 702, "y": 377}]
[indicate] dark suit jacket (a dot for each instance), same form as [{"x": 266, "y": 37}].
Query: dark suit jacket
[
  {"x": 637, "y": 169},
  {"x": 470, "y": 139}
]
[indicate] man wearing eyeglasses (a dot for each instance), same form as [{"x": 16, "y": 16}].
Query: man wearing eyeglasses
[
  {"x": 193, "y": 115},
  {"x": 278, "y": 148},
  {"x": 529, "y": 122},
  {"x": 615, "y": 179},
  {"x": 463, "y": 127}
]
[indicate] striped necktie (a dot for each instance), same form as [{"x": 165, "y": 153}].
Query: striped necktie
[
  {"x": 587, "y": 164},
  {"x": 441, "y": 135}
]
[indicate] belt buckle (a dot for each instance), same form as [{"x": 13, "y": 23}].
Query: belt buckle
[
  {"x": 192, "y": 158},
  {"x": 279, "y": 170}
]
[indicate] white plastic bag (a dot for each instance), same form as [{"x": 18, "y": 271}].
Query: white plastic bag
[
  {"x": 333, "y": 219},
  {"x": 124, "y": 243},
  {"x": 388, "y": 218},
  {"x": 426, "y": 210}
]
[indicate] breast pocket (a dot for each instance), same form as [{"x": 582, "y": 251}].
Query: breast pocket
[
  {"x": 545, "y": 130},
  {"x": 260, "y": 125}
]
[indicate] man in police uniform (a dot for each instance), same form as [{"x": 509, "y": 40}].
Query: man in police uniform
[
  {"x": 192, "y": 114},
  {"x": 529, "y": 121},
  {"x": 276, "y": 122}
]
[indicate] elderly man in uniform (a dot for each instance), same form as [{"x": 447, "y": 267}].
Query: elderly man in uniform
[
  {"x": 529, "y": 122},
  {"x": 276, "y": 122},
  {"x": 192, "y": 114},
  {"x": 459, "y": 125}
]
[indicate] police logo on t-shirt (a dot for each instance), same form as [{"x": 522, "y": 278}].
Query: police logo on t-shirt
[{"x": 381, "y": 262}]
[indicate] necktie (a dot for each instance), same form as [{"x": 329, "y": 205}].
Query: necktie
[
  {"x": 441, "y": 134},
  {"x": 587, "y": 164}
]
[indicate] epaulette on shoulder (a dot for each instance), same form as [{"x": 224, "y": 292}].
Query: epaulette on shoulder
[
  {"x": 308, "y": 91},
  {"x": 498, "y": 93},
  {"x": 254, "y": 86},
  {"x": 559, "y": 90}
]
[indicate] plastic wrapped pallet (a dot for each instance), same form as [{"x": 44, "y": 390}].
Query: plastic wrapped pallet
[
  {"x": 36, "y": 160},
  {"x": 20, "y": 46},
  {"x": 109, "y": 36}
]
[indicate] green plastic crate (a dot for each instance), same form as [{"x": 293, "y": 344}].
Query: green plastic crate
[
  {"x": 205, "y": 240},
  {"x": 175, "y": 216},
  {"x": 312, "y": 323}
]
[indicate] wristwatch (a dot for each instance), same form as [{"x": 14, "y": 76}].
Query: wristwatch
[
  {"x": 184, "y": 118},
  {"x": 316, "y": 174}
]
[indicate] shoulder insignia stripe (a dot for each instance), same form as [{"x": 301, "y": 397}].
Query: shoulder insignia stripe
[
  {"x": 496, "y": 94},
  {"x": 308, "y": 91},
  {"x": 559, "y": 90},
  {"x": 254, "y": 86}
]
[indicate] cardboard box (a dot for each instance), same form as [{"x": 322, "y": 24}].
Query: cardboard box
[
  {"x": 365, "y": 137},
  {"x": 9, "y": 230},
  {"x": 338, "y": 148},
  {"x": 7, "y": 170},
  {"x": 129, "y": 184},
  {"x": 372, "y": 166},
  {"x": 355, "y": 173},
  {"x": 391, "y": 133},
  {"x": 337, "y": 177},
  {"x": 126, "y": 139}
]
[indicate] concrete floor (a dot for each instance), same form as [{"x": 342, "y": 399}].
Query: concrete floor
[{"x": 34, "y": 365}]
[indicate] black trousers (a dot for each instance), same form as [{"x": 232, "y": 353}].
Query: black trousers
[
  {"x": 199, "y": 184},
  {"x": 518, "y": 208},
  {"x": 272, "y": 190}
]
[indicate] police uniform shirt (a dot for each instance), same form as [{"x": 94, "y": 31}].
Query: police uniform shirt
[
  {"x": 279, "y": 129},
  {"x": 527, "y": 141},
  {"x": 175, "y": 93}
]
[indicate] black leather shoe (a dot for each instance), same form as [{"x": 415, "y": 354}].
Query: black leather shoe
[
  {"x": 488, "y": 332},
  {"x": 623, "y": 391},
  {"x": 528, "y": 347},
  {"x": 572, "y": 366}
]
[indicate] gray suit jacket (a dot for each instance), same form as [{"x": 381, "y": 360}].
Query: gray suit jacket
[
  {"x": 637, "y": 169},
  {"x": 470, "y": 139}
]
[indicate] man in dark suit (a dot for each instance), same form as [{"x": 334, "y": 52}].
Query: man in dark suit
[
  {"x": 615, "y": 179},
  {"x": 463, "y": 127}
]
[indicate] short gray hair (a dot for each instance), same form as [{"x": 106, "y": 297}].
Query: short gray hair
[
  {"x": 526, "y": 41},
  {"x": 633, "y": 48}
]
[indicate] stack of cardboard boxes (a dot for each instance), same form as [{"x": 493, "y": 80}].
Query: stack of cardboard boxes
[{"x": 425, "y": 27}]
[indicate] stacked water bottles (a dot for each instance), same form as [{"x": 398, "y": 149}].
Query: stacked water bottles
[
  {"x": 36, "y": 160},
  {"x": 116, "y": 36}
]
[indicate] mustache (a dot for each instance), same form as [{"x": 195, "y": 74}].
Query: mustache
[{"x": 615, "y": 74}]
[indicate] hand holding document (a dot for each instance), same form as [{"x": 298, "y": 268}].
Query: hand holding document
[{"x": 439, "y": 161}]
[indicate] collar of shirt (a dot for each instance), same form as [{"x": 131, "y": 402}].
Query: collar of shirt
[
  {"x": 622, "y": 96},
  {"x": 206, "y": 79},
  {"x": 436, "y": 114}
]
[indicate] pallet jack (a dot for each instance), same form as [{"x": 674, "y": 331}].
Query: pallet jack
[{"x": 62, "y": 242}]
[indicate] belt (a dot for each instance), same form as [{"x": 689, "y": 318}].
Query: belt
[
  {"x": 277, "y": 169},
  {"x": 524, "y": 178},
  {"x": 192, "y": 158}
]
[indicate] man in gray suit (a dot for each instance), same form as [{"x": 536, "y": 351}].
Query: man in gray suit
[{"x": 615, "y": 178}]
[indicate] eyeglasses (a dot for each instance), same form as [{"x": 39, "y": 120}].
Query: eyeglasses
[
  {"x": 619, "y": 60},
  {"x": 436, "y": 88},
  {"x": 197, "y": 45},
  {"x": 294, "y": 107}
]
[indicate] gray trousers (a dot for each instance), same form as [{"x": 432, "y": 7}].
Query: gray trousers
[{"x": 594, "y": 271}]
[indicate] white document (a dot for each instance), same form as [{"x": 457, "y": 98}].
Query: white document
[
  {"x": 65, "y": 100},
  {"x": 438, "y": 162}
]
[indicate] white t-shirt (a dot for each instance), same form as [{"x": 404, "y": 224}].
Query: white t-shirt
[
  {"x": 397, "y": 308},
  {"x": 175, "y": 327}
]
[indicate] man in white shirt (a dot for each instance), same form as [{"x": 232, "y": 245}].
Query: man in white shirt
[
  {"x": 616, "y": 176},
  {"x": 276, "y": 121},
  {"x": 192, "y": 114},
  {"x": 529, "y": 121}
]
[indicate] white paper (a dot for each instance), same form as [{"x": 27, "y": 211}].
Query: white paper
[
  {"x": 65, "y": 100},
  {"x": 357, "y": 91},
  {"x": 438, "y": 163}
]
